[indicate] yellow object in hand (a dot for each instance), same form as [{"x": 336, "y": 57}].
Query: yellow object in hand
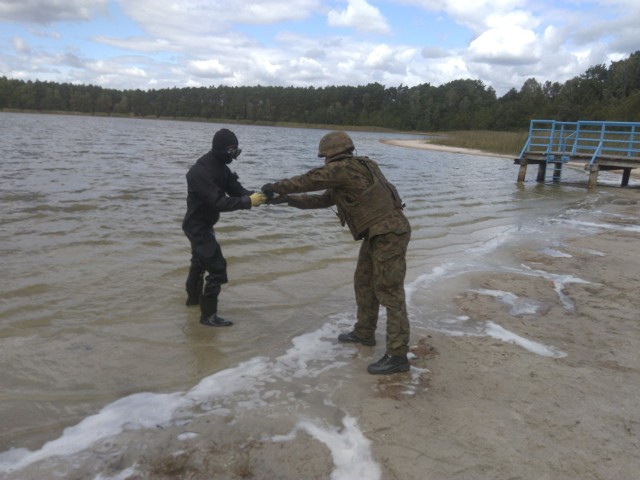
[{"x": 257, "y": 198}]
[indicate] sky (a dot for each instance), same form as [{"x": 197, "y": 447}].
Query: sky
[{"x": 154, "y": 44}]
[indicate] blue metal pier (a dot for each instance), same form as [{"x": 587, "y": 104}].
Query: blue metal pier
[{"x": 597, "y": 145}]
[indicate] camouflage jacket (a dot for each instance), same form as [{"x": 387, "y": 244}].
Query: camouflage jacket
[{"x": 366, "y": 201}]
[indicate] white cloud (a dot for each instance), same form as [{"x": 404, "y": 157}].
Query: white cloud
[
  {"x": 50, "y": 11},
  {"x": 379, "y": 57},
  {"x": 450, "y": 69},
  {"x": 272, "y": 11},
  {"x": 307, "y": 70},
  {"x": 519, "y": 18},
  {"x": 389, "y": 60},
  {"x": 139, "y": 44},
  {"x": 176, "y": 19},
  {"x": 114, "y": 68},
  {"x": 507, "y": 45},
  {"x": 20, "y": 45},
  {"x": 359, "y": 15},
  {"x": 211, "y": 68},
  {"x": 435, "y": 52},
  {"x": 474, "y": 14}
]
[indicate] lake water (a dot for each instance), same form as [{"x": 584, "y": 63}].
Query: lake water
[{"x": 94, "y": 333}]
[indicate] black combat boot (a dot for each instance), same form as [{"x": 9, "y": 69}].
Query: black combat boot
[
  {"x": 390, "y": 364},
  {"x": 208, "y": 309},
  {"x": 215, "y": 321},
  {"x": 351, "y": 337}
]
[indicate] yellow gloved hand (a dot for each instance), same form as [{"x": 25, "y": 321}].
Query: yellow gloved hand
[{"x": 257, "y": 199}]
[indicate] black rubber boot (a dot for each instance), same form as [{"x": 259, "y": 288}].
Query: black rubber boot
[
  {"x": 194, "y": 293},
  {"x": 215, "y": 321},
  {"x": 194, "y": 284},
  {"x": 351, "y": 337},
  {"x": 389, "y": 364},
  {"x": 208, "y": 310}
]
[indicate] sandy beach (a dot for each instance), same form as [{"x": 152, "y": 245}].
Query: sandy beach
[
  {"x": 421, "y": 144},
  {"x": 496, "y": 412}
]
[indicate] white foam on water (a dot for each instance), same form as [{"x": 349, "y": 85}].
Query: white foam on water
[
  {"x": 141, "y": 410},
  {"x": 595, "y": 253},
  {"x": 520, "y": 306},
  {"x": 552, "y": 252},
  {"x": 245, "y": 386},
  {"x": 496, "y": 331},
  {"x": 462, "y": 263},
  {"x": 426, "y": 279},
  {"x": 350, "y": 449},
  {"x": 123, "y": 475},
  {"x": 493, "y": 243},
  {"x": 604, "y": 226},
  {"x": 558, "y": 281},
  {"x": 466, "y": 327}
]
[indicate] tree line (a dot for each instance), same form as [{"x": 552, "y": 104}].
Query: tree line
[{"x": 600, "y": 93}]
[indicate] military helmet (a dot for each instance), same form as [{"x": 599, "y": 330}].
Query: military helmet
[{"x": 334, "y": 143}]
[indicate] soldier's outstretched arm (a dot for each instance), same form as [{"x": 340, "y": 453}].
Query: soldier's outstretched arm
[{"x": 306, "y": 201}]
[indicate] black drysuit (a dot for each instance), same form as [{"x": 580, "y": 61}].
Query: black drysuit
[{"x": 212, "y": 188}]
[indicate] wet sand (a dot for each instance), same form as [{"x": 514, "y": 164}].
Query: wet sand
[
  {"x": 495, "y": 411},
  {"x": 492, "y": 411}
]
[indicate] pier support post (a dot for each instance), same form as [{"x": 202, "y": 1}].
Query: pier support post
[
  {"x": 626, "y": 173},
  {"x": 523, "y": 170},
  {"x": 593, "y": 175},
  {"x": 542, "y": 172}
]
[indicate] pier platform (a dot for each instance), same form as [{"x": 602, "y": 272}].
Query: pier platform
[{"x": 598, "y": 145}]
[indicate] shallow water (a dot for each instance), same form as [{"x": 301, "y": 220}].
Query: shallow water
[{"x": 94, "y": 262}]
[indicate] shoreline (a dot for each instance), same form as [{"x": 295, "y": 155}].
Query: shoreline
[
  {"x": 480, "y": 406},
  {"x": 423, "y": 145},
  {"x": 473, "y": 407}
]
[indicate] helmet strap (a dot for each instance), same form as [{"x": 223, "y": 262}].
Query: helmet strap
[{"x": 339, "y": 156}]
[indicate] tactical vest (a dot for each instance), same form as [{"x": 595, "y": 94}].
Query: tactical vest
[{"x": 371, "y": 205}]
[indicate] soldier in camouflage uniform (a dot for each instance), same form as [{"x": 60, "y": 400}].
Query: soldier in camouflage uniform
[{"x": 371, "y": 207}]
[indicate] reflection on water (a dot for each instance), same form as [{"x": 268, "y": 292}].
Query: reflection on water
[{"x": 94, "y": 261}]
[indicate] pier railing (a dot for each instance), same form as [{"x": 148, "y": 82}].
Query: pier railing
[
  {"x": 599, "y": 145},
  {"x": 583, "y": 139}
]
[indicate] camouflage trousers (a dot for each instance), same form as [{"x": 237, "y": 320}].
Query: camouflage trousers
[{"x": 379, "y": 280}]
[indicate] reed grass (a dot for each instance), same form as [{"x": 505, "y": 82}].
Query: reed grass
[{"x": 503, "y": 143}]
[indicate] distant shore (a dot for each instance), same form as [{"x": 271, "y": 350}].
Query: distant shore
[{"x": 424, "y": 145}]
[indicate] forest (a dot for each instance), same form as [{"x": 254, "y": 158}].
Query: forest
[{"x": 600, "y": 93}]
